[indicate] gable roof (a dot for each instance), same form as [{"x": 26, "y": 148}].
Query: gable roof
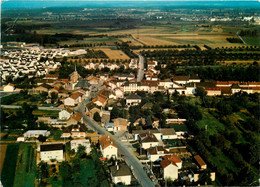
[
  {"x": 101, "y": 99},
  {"x": 80, "y": 128},
  {"x": 82, "y": 84},
  {"x": 106, "y": 141},
  {"x": 77, "y": 116},
  {"x": 120, "y": 170},
  {"x": 170, "y": 159},
  {"x": 199, "y": 160},
  {"x": 133, "y": 97},
  {"x": 155, "y": 150},
  {"x": 76, "y": 95}
]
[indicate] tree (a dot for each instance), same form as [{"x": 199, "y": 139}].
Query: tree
[
  {"x": 42, "y": 171},
  {"x": 201, "y": 92},
  {"x": 97, "y": 117},
  {"x": 65, "y": 172},
  {"x": 42, "y": 138}
]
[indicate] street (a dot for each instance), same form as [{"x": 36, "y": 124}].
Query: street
[
  {"x": 130, "y": 158},
  {"x": 140, "y": 73}
]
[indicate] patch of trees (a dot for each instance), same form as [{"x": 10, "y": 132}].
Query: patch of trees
[
  {"x": 243, "y": 155},
  {"x": 222, "y": 73},
  {"x": 234, "y": 40},
  {"x": 248, "y": 32}
]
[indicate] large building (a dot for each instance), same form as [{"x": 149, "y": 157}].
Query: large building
[
  {"x": 108, "y": 147},
  {"x": 50, "y": 152}
]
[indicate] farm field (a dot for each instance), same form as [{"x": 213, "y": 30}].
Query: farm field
[
  {"x": 9, "y": 166},
  {"x": 2, "y": 156},
  {"x": 251, "y": 40},
  {"x": 131, "y": 41},
  {"x": 115, "y": 54},
  {"x": 239, "y": 61},
  {"x": 106, "y": 40},
  {"x": 26, "y": 166}
]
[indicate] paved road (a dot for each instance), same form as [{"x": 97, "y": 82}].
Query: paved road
[
  {"x": 130, "y": 158},
  {"x": 140, "y": 73},
  {"x": 39, "y": 108},
  {"x": 241, "y": 38}
]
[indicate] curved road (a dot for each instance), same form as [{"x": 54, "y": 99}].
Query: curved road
[{"x": 130, "y": 158}]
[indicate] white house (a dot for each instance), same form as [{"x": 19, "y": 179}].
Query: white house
[
  {"x": 74, "y": 99},
  {"x": 148, "y": 140},
  {"x": 120, "y": 173},
  {"x": 170, "y": 166},
  {"x": 74, "y": 144},
  {"x": 65, "y": 114},
  {"x": 108, "y": 147},
  {"x": 51, "y": 151},
  {"x": 9, "y": 88},
  {"x": 36, "y": 133},
  {"x": 155, "y": 153},
  {"x": 133, "y": 99}
]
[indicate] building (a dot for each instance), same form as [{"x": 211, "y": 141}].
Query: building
[
  {"x": 108, "y": 147},
  {"x": 65, "y": 114},
  {"x": 170, "y": 166},
  {"x": 75, "y": 131},
  {"x": 36, "y": 133},
  {"x": 148, "y": 140},
  {"x": 120, "y": 124},
  {"x": 120, "y": 173},
  {"x": 202, "y": 165},
  {"x": 9, "y": 88},
  {"x": 74, "y": 99},
  {"x": 133, "y": 100},
  {"x": 74, "y": 144},
  {"x": 154, "y": 153},
  {"x": 50, "y": 152}
]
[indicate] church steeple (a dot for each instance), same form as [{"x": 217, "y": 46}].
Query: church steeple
[{"x": 75, "y": 66}]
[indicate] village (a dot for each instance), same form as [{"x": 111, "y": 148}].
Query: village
[{"x": 85, "y": 104}]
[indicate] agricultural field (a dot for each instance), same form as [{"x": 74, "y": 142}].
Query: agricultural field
[
  {"x": 26, "y": 165},
  {"x": 252, "y": 40},
  {"x": 115, "y": 54},
  {"x": 2, "y": 156},
  {"x": 9, "y": 166}
]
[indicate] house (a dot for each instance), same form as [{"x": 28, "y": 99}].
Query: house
[
  {"x": 154, "y": 153},
  {"x": 65, "y": 114},
  {"x": 82, "y": 84},
  {"x": 119, "y": 93},
  {"x": 202, "y": 165},
  {"x": 120, "y": 173},
  {"x": 75, "y": 119},
  {"x": 120, "y": 124},
  {"x": 9, "y": 88},
  {"x": 213, "y": 91},
  {"x": 168, "y": 133},
  {"x": 100, "y": 101},
  {"x": 235, "y": 88},
  {"x": 92, "y": 108},
  {"x": 75, "y": 131},
  {"x": 133, "y": 100},
  {"x": 109, "y": 126},
  {"x": 49, "y": 152},
  {"x": 105, "y": 116},
  {"x": 170, "y": 166},
  {"x": 155, "y": 132},
  {"x": 148, "y": 140},
  {"x": 93, "y": 136},
  {"x": 74, "y": 99},
  {"x": 74, "y": 144},
  {"x": 108, "y": 147},
  {"x": 36, "y": 133},
  {"x": 42, "y": 88}
]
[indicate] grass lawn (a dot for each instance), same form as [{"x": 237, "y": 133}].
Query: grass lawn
[
  {"x": 252, "y": 40},
  {"x": 8, "y": 172},
  {"x": 46, "y": 113},
  {"x": 213, "y": 125},
  {"x": 26, "y": 166}
]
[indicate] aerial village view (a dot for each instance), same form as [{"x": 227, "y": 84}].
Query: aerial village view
[{"x": 129, "y": 93}]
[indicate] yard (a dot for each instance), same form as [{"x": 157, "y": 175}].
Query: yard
[{"x": 2, "y": 156}]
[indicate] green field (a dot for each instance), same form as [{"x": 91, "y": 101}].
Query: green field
[
  {"x": 8, "y": 172},
  {"x": 26, "y": 166},
  {"x": 252, "y": 40}
]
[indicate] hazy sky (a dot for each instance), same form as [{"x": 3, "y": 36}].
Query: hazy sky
[{"x": 129, "y": 0}]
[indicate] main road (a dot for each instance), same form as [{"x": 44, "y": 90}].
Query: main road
[
  {"x": 140, "y": 73},
  {"x": 130, "y": 158}
]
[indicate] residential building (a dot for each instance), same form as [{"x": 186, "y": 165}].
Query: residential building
[
  {"x": 120, "y": 173},
  {"x": 74, "y": 144},
  {"x": 75, "y": 131},
  {"x": 108, "y": 147},
  {"x": 154, "y": 153},
  {"x": 36, "y": 133},
  {"x": 120, "y": 124},
  {"x": 202, "y": 165},
  {"x": 170, "y": 166},
  {"x": 50, "y": 152},
  {"x": 65, "y": 114},
  {"x": 133, "y": 100}
]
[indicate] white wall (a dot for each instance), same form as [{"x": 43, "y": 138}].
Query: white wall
[
  {"x": 48, "y": 155},
  {"x": 124, "y": 179},
  {"x": 109, "y": 152},
  {"x": 170, "y": 172}
]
